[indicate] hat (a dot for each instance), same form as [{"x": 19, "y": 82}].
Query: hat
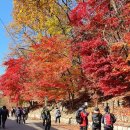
[
  {"x": 4, "y": 107},
  {"x": 106, "y": 109},
  {"x": 86, "y": 104}
]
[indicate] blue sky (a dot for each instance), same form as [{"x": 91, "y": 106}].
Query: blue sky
[{"x": 5, "y": 15}]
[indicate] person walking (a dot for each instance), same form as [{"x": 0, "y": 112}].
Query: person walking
[
  {"x": 96, "y": 119},
  {"x": 0, "y": 116},
  {"x": 57, "y": 115},
  {"x": 78, "y": 116},
  {"x": 48, "y": 120},
  {"x": 18, "y": 114},
  {"x": 4, "y": 114},
  {"x": 83, "y": 117},
  {"x": 27, "y": 109},
  {"x": 108, "y": 119},
  {"x": 24, "y": 115},
  {"x": 43, "y": 116},
  {"x": 12, "y": 111}
]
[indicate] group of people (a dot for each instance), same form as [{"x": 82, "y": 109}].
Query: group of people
[
  {"x": 107, "y": 119},
  {"x": 21, "y": 114},
  {"x": 46, "y": 116}
]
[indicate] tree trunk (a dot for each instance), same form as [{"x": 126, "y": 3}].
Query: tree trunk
[
  {"x": 72, "y": 100},
  {"x": 46, "y": 101},
  {"x": 69, "y": 100},
  {"x": 113, "y": 3},
  {"x": 112, "y": 106},
  {"x": 96, "y": 102}
]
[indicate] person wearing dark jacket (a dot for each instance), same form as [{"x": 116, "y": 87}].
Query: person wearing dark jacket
[
  {"x": 84, "y": 115},
  {"x": 0, "y": 115},
  {"x": 5, "y": 114},
  {"x": 43, "y": 115},
  {"x": 48, "y": 120},
  {"x": 18, "y": 114},
  {"x": 108, "y": 119},
  {"x": 96, "y": 119}
]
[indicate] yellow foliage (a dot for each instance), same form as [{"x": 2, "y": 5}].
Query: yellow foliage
[
  {"x": 41, "y": 15},
  {"x": 56, "y": 27}
]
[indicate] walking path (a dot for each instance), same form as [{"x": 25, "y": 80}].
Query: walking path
[{"x": 35, "y": 125}]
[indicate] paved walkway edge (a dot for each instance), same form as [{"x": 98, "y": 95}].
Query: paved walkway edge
[{"x": 73, "y": 122}]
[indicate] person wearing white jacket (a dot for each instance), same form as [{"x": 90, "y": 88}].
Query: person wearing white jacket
[{"x": 57, "y": 115}]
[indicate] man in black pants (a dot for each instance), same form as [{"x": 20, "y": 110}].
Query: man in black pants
[
  {"x": 96, "y": 119},
  {"x": 18, "y": 114},
  {"x": 57, "y": 115},
  {"x": 5, "y": 114},
  {"x": 0, "y": 115},
  {"x": 43, "y": 115},
  {"x": 108, "y": 119},
  {"x": 48, "y": 120}
]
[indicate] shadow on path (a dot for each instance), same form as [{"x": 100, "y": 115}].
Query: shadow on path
[
  {"x": 39, "y": 124},
  {"x": 30, "y": 125},
  {"x": 57, "y": 126}
]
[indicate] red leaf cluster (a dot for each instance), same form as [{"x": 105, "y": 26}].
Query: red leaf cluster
[{"x": 110, "y": 74}]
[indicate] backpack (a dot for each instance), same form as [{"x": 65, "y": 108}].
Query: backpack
[
  {"x": 24, "y": 112},
  {"x": 58, "y": 113},
  {"x": 79, "y": 119},
  {"x": 109, "y": 119},
  {"x": 97, "y": 120},
  {"x": 43, "y": 114},
  {"x": 18, "y": 112},
  {"x": 47, "y": 116}
]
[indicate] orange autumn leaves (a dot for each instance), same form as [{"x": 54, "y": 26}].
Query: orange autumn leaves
[
  {"x": 38, "y": 75},
  {"x": 47, "y": 63}
]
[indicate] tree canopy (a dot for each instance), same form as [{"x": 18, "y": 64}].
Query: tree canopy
[{"x": 66, "y": 47}]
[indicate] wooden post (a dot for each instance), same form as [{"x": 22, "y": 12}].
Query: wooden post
[
  {"x": 113, "y": 106},
  {"x": 46, "y": 100},
  {"x": 95, "y": 98}
]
